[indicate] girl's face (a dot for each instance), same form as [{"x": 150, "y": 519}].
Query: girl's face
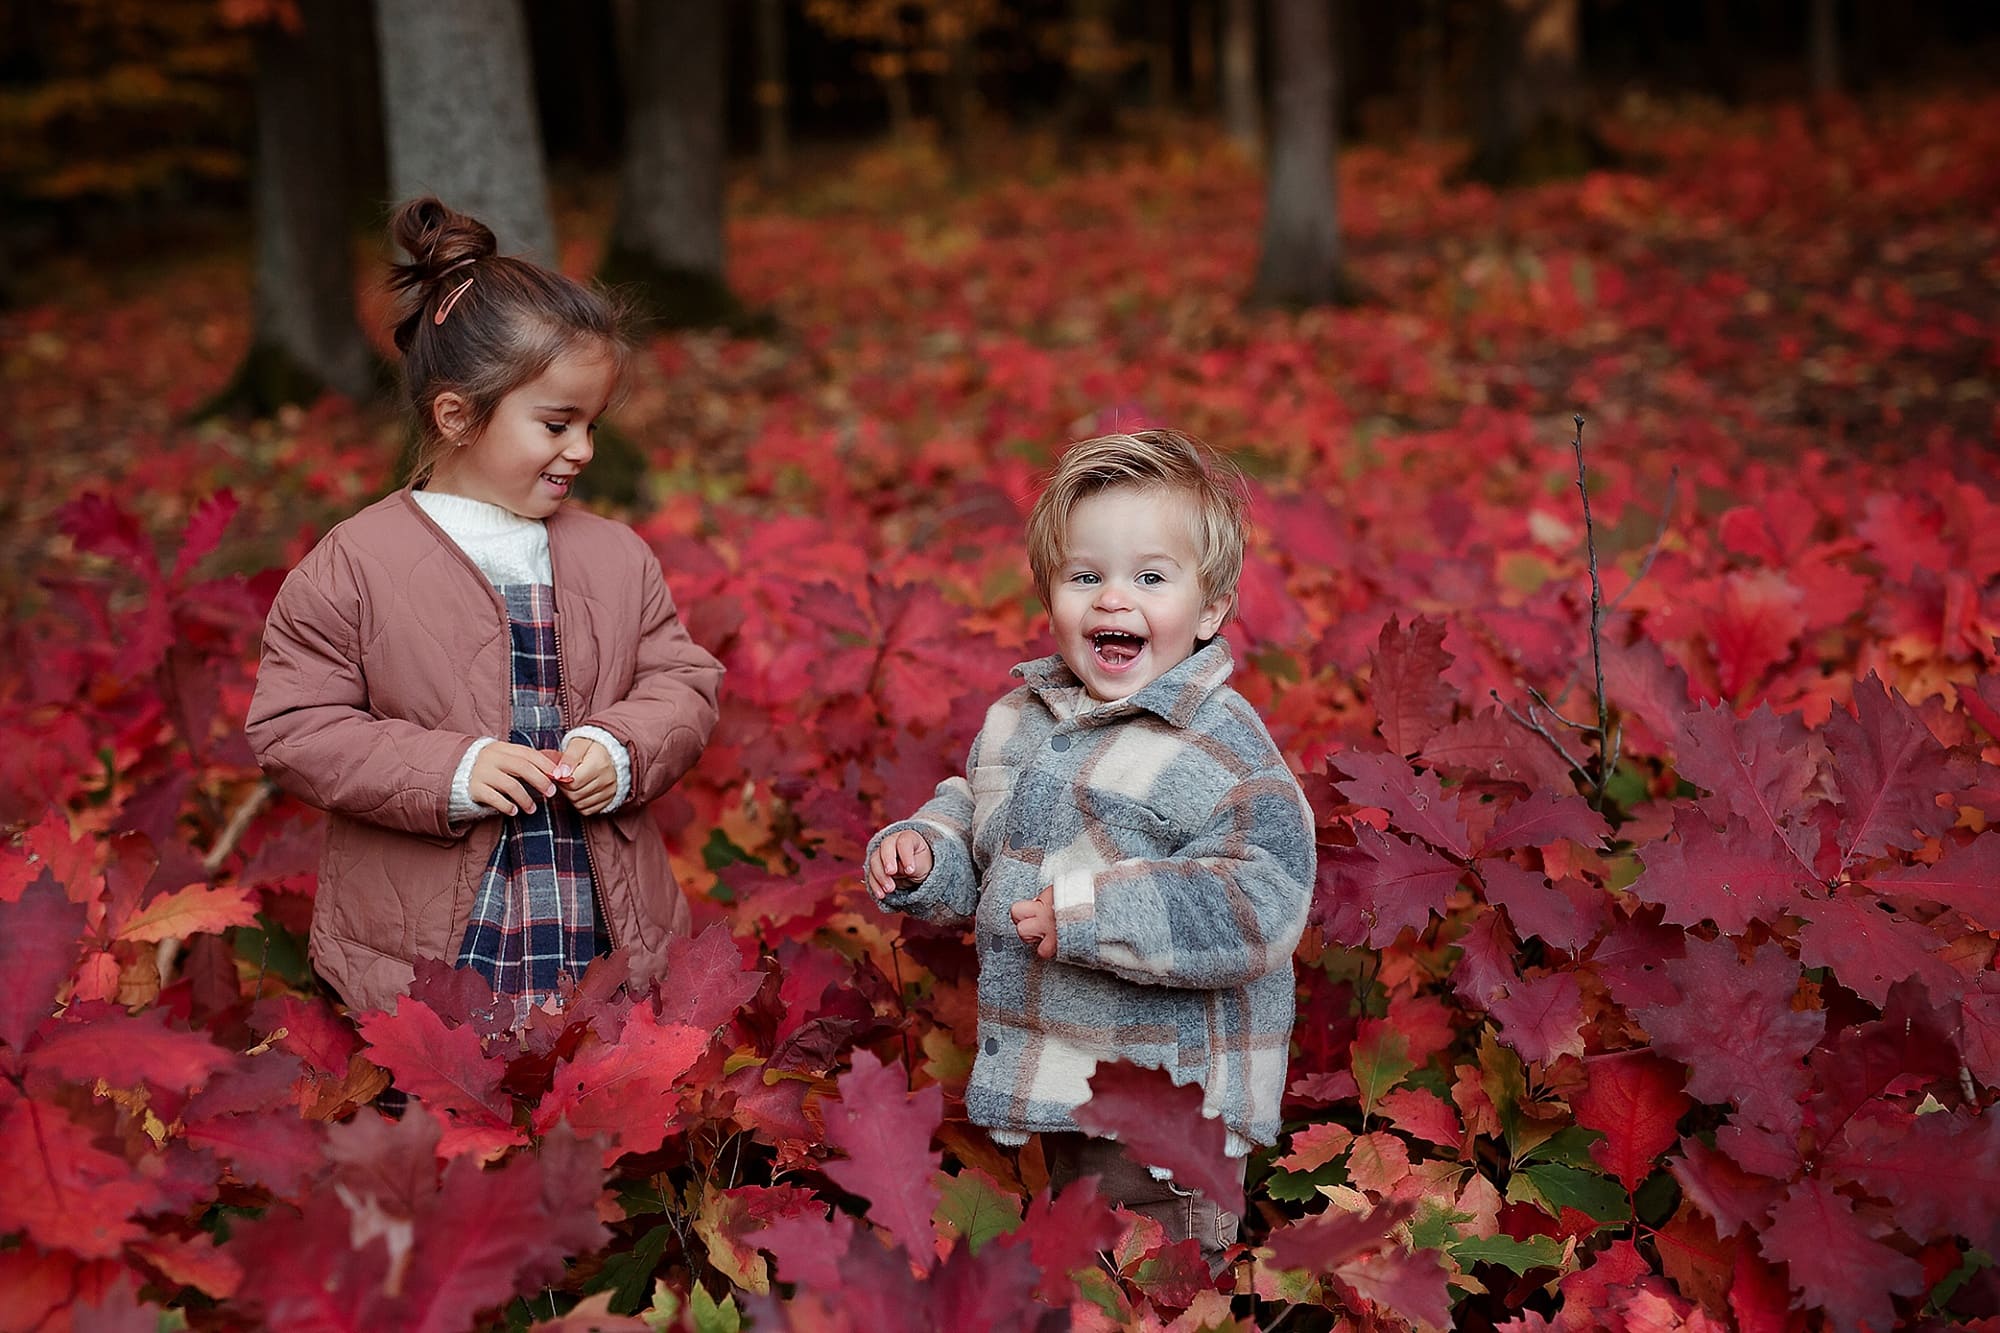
[
  {"x": 1126, "y": 605},
  {"x": 538, "y": 441}
]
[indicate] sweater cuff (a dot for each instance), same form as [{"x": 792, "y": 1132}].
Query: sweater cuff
[
  {"x": 621, "y": 759},
  {"x": 463, "y": 808}
]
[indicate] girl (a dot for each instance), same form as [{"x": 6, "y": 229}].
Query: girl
[{"x": 482, "y": 686}]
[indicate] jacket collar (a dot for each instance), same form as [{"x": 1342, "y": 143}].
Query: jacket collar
[{"x": 1174, "y": 698}]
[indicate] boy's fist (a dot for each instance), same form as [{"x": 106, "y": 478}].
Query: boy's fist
[
  {"x": 1035, "y": 921},
  {"x": 901, "y": 860}
]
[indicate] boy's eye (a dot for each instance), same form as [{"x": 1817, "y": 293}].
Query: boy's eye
[
  {"x": 1083, "y": 578},
  {"x": 1150, "y": 579}
]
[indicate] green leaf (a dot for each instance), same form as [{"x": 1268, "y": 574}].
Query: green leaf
[
  {"x": 1303, "y": 1186},
  {"x": 629, "y": 1275},
  {"x": 1435, "y": 1227},
  {"x": 1569, "y": 1145},
  {"x": 1516, "y": 1255},
  {"x": 710, "y": 1316},
  {"x": 971, "y": 1205},
  {"x": 1379, "y": 1064},
  {"x": 1556, "y": 1187},
  {"x": 1657, "y": 1198}
]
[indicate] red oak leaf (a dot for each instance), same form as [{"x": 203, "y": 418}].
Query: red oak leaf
[
  {"x": 1541, "y": 818},
  {"x": 63, "y": 1190},
  {"x": 626, "y": 1090},
  {"x": 1406, "y": 683},
  {"x": 1321, "y": 1242},
  {"x": 1755, "y": 1058},
  {"x": 193, "y": 1262},
  {"x": 98, "y": 524},
  {"x": 1371, "y": 892},
  {"x": 1966, "y": 877},
  {"x": 1162, "y": 1125},
  {"x": 1486, "y": 961},
  {"x": 1870, "y": 948},
  {"x": 1889, "y": 770},
  {"x": 1633, "y": 956},
  {"x": 1731, "y": 878},
  {"x": 460, "y": 997},
  {"x": 301, "y": 1270},
  {"x": 38, "y": 937},
  {"x": 1941, "y": 1171},
  {"x": 1647, "y": 688},
  {"x": 1416, "y": 801},
  {"x": 1634, "y": 1099},
  {"x": 1411, "y": 1284},
  {"x": 886, "y": 1131},
  {"x": 1761, "y": 765},
  {"x": 203, "y": 533},
  {"x": 194, "y": 910},
  {"x": 987, "y": 1290},
  {"x": 1977, "y": 1029},
  {"x": 312, "y": 1031},
  {"x": 448, "y": 1069},
  {"x": 809, "y": 1248},
  {"x": 1063, "y": 1235},
  {"x": 1752, "y": 620},
  {"x": 1759, "y": 1298},
  {"x": 1567, "y": 916},
  {"x": 101, "y": 1041},
  {"x": 706, "y": 981},
  {"x": 1909, "y": 1047},
  {"x": 1495, "y": 745},
  {"x": 1541, "y": 1017},
  {"x": 1833, "y": 1260}
]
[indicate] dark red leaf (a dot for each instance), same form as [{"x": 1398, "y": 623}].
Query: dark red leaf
[
  {"x": 1321, "y": 1242},
  {"x": 1541, "y": 1017},
  {"x": 1406, "y": 683},
  {"x": 1634, "y": 1099},
  {"x": 1889, "y": 770},
  {"x": 1871, "y": 949},
  {"x": 1966, "y": 877},
  {"x": 1566, "y": 916},
  {"x": 1731, "y": 878},
  {"x": 1371, "y": 892},
  {"x": 1541, "y": 818},
  {"x": 706, "y": 980},
  {"x": 1761, "y": 765},
  {"x": 97, "y": 524},
  {"x": 203, "y": 532},
  {"x": 64, "y": 1191},
  {"x": 1161, "y": 1124},
  {"x": 1755, "y": 1058},
  {"x": 102, "y": 1041},
  {"x": 1064, "y": 1235},
  {"x": 1834, "y": 1260},
  {"x": 447, "y": 1069},
  {"x": 627, "y": 1090},
  {"x": 885, "y": 1130},
  {"x": 1411, "y": 1284},
  {"x": 1940, "y": 1171},
  {"x": 38, "y": 939},
  {"x": 1416, "y": 801}
]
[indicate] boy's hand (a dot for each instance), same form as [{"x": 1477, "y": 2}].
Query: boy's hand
[
  {"x": 587, "y": 775},
  {"x": 901, "y": 860},
  {"x": 1035, "y": 921},
  {"x": 505, "y": 777}
]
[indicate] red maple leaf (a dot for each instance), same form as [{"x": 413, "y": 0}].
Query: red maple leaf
[
  {"x": 1834, "y": 1260},
  {"x": 1406, "y": 683},
  {"x": 1634, "y": 1099},
  {"x": 1327, "y": 1239},
  {"x": 449, "y": 1070},
  {"x": 1063, "y": 1235},
  {"x": 1755, "y": 1059},
  {"x": 1416, "y": 802},
  {"x": 626, "y": 1090},
  {"x": 1732, "y": 878},
  {"x": 1162, "y": 1125},
  {"x": 1541, "y": 818},
  {"x": 1370, "y": 892},
  {"x": 1889, "y": 771},
  {"x": 38, "y": 937},
  {"x": 886, "y": 1130},
  {"x": 1541, "y": 1017}
]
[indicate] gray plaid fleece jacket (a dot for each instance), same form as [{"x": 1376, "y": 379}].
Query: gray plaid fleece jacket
[{"x": 1181, "y": 851}]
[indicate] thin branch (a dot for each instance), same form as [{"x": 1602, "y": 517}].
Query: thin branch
[
  {"x": 1659, "y": 538},
  {"x": 1596, "y": 618},
  {"x": 1556, "y": 713},
  {"x": 1541, "y": 731}
]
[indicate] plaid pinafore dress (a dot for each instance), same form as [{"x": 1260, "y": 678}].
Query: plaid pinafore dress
[{"x": 534, "y": 918}]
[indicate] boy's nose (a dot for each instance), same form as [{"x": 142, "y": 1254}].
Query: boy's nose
[{"x": 1111, "y": 597}]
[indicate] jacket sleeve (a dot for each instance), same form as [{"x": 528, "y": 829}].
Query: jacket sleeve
[
  {"x": 949, "y": 895},
  {"x": 311, "y": 727},
  {"x": 1225, "y": 911},
  {"x": 665, "y": 719}
]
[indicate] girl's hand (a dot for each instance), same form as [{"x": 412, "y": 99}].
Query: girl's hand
[
  {"x": 1035, "y": 921},
  {"x": 505, "y": 777},
  {"x": 902, "y": 860},
  {"x": 587, "y": 775}
]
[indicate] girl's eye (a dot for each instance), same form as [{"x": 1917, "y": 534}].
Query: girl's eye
[{"x": 556, "y": 427}]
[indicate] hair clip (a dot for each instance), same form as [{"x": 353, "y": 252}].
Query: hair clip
[{"x": 444, "y": 307}]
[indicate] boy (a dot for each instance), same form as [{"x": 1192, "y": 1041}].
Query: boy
[{"x": 1135, "y": 852}]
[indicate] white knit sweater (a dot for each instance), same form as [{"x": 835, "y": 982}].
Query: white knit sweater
[{"x": 507, "y": 549}]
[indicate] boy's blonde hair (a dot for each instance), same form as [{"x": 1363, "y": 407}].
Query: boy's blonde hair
[{"x": 1149, "y": 459}]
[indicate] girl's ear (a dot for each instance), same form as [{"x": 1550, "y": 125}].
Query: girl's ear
[
  {"x": 452, "y": 415},
  {"x": 1214, "y": 614}
]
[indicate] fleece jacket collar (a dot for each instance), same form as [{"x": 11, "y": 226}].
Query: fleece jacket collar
[{"x": 1174, "y": 698}]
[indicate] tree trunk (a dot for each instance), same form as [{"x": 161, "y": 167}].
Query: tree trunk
[
  {"x": 1825, "y": 49},
  {"x": 774, "y": 149},
  {"x": 1090, "y": 101},
  {"x": 666, "y": 242},
  {"x": 304, "y": 338},
  {"x": 1201, "y": 55},
  {"x": 1533, "y": 127},
  {"x": 1430, "y": 74},
  {"x": 1240, "y": 118},
  {"x": 1301, "y": 260},
  {"x": 459, "y": 109}
]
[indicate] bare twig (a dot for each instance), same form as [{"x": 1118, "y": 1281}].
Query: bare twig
[
  {"x": 1659, "y": 539},
  {"x": 1532, "y": 725},
  {"x": 168, "y": 951},
  {"x": 1596, "y": 621},
  {"x": 1555, "y": 712}
]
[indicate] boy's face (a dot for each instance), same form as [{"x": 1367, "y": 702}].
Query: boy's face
[{"x": 1126, "y": 605}]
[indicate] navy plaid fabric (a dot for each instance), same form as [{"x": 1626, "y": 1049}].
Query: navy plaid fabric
[{"x": 535, "y": 916}]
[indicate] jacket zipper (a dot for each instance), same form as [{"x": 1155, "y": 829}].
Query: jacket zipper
[{"x": 562, "y": 711}]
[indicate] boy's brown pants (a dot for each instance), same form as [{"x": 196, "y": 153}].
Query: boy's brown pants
[{"x": 1124, "y": 1180}]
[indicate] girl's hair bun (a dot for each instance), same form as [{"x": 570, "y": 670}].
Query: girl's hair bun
[{"x": 439, "y": 240}]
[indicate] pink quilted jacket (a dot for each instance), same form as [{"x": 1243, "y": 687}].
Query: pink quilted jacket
[{"x": 387, "y": 654}]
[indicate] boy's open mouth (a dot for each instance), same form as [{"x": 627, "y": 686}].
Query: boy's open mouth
[{"x": 1116, "y": 649}]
